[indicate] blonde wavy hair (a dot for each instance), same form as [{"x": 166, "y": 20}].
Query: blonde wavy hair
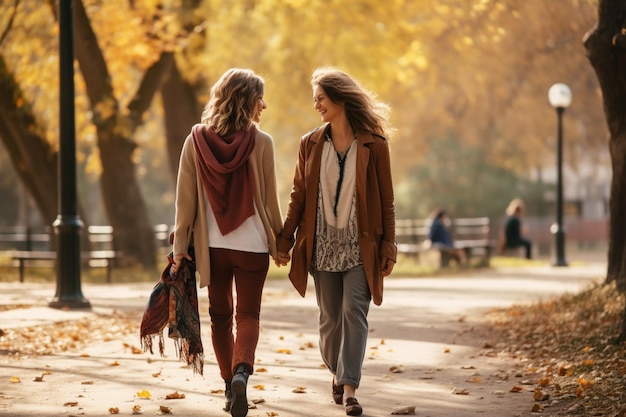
[
  {"x": 515, "y": 205},
  {"x": 233, "y": 101},
  {"x": 363, "y": 110}
]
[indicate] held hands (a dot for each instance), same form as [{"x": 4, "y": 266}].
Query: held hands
[
  {"x": 177, "y": 261},
  {"x": 386, "y": 266},
  {"x": 282, "y": 259}
]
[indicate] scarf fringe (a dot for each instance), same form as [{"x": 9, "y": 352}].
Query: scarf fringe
[
  {"x": 147, "y": 343},
  {"x": 183, "y": 351},
  {"x": 194, "y": 360}
]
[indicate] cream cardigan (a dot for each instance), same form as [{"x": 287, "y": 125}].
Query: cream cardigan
[{"x": 191, "y": 202}]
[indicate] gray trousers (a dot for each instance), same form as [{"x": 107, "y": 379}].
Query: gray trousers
[{"x": 343, "y": 299}]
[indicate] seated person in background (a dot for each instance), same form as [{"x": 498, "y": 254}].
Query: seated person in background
[
  {"x": 513, "y": 228},
  {"x": 440, "y": 238}
]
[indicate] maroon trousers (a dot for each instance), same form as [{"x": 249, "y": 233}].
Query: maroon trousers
[{"x": 249, "y": 271}]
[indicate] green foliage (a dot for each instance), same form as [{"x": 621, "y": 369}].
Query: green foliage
[{"x": 461, "y": 179}]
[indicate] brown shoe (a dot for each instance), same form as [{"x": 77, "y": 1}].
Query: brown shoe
[
  {"x": 353, "y": 408},
  {"x": 337, "y": 393}
]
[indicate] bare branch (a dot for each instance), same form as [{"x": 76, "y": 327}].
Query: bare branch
[{"x": 6, "y": 30}]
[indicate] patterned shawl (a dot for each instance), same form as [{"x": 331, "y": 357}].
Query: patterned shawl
[{"x": 174, "y": 303}]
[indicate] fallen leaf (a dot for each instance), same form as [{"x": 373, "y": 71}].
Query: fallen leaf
[
  {"x": 544, "y": 382},
  {"x": 516, "y": 388},
  {"x": 87, "y": 382},
  {"x": 408, "y": 410},
  {"x": 136, "y": 409},
  {"x": 116, "y": 363},
  {"x": 537, "y": 394},
  {"x": 114, "y": 410},
  {"x": 157, "y": 374},
  {"x": 396, "y": 369},
  {"x": 135, "y": 350},
  {"x": 284, "y": 350},
  {"x": 39, "y": 378},
  {"x": 71, "y": 404},
  {"x": 15, "y": 379},
  {"x": 299, "y": 390},
  {"x": 144, "y": 394},
  {"x": 84, "y": 355},
  {"x": 259, "y": 387},
  {"x": 174, "y": 396},
  {"x": 165, "y": 410},
  {"x": 260, "y": 370},
  {"x": 272, "y": 413},
  {"x": 258, "y": 400},
  {"x": 446, "y": 350}
]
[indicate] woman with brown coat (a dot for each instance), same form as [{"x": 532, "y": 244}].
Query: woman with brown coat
[{"x": 341, "y": 211}]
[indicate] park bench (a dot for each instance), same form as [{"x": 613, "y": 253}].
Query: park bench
[
  {"x": 96, "y": 258},
  {"x": 28, "y": 246},
  {"x": 23, "y": 238},
  {"x": 472, "y": 235}
]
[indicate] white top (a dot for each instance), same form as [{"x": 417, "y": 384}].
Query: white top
[{"x": 250, "y": 236}]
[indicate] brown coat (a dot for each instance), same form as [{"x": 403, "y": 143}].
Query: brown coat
[{"x": 375, "y": 208}]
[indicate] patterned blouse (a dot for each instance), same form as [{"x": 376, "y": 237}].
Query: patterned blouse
[{"x": 336, "y": 250}]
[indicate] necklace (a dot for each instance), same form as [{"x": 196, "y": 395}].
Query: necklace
[{"x": 341, "y": 160}]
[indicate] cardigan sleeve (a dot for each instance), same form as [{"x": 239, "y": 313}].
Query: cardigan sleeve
[
  {"x": 271, "y": 202},
  {"x": 186, "y": 198}
]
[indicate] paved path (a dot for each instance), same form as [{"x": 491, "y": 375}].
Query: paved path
[{"x": 426, "y": 349}]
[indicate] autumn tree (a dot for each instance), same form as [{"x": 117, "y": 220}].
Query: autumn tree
[
  {"x": 474, "y": 71},
  {"x": 606, "y": 50}
]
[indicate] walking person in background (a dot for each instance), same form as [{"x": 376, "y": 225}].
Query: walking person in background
[
  {"x": 227, "y": 208},
  {"x": 341, "y": 211},
  {"x": 513, "y": 237}
]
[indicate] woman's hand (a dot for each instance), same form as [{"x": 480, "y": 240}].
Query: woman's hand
[
  {"x": 386, "y": 266},
  {"x": 282, "y": 259},
  {"x": 178, "y": 258}
]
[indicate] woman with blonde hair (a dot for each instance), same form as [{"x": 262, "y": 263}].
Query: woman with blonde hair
[
  {"x": 513, "y": 237},
  {"x": 227, "y": 208},
  {"x": 341, "y": 212}
]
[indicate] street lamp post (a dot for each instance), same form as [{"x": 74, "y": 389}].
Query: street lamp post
[
  {"x": 67, "y": 224},
  {"x": 560, "y": 97}
]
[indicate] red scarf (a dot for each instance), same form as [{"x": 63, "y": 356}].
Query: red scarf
[{"x": 227, "y": 178}]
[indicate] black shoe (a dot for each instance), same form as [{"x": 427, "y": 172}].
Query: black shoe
[
  {"x": 239, "y": 407},
  {"x": 228, "y": 393},
  {"x": 353, "y": 408}
]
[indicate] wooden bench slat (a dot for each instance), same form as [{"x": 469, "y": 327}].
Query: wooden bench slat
[{"x": 105, "y": 258}]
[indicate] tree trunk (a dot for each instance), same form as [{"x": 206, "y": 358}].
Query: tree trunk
[
  {"x": 33, "y": 158},
  {"x": 124, "y": 205},
  {"x": 606, "y": 50},
  {"x": 182, "y": 110}
]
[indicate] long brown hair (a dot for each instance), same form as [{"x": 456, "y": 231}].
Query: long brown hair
[
  {"x": 233, "y": 101},
  {"x": 363, "y": 110}
]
